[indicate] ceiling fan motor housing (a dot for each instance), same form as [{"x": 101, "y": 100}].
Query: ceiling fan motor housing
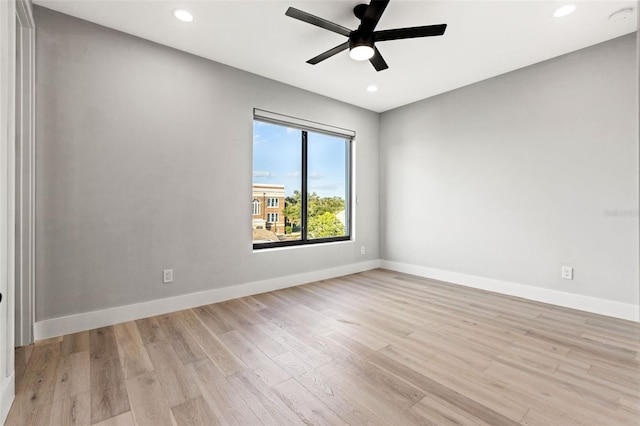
[{"x": 358, "y": 39}]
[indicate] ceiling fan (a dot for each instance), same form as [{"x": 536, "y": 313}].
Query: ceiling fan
[{"x": 361, "y": 43}]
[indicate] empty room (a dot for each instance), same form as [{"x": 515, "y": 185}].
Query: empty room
[{"x": 331, "y": 212}]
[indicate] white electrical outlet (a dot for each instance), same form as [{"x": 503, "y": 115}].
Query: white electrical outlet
[
  {"x": 363, "y": 250},
  {"x": 567, "y": 273},
  {"x": 167, "y": 276}
]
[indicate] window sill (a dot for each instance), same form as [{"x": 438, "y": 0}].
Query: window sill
[{"x": 298, "y": 246}]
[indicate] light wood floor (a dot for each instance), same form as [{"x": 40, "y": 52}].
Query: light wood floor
[{"x": 371, "y": 348}]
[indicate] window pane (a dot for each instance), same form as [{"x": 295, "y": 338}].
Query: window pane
[
  {"x": 300, "y": 186},
  {"x": 277, "y": 177},
  {"x": 328, "y": 180}
]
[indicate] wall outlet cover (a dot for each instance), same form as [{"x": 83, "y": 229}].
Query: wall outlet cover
[{"x": 567, "y": 273}]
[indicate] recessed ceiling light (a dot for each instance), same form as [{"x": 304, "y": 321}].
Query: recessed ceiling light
[
  {"x": 182, "y": 15},
  {"x": 565, "y": 10},
  {"x": 372, "y": 88},
  {"x": 621, "y": 14}
]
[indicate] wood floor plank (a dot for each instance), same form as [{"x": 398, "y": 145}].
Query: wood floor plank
[
  {"x": 253, "y": 303},
  {"x": 223, "y": 399},
  {"x": 133, "y": 355},
  {"x": 452, "y": 382},
  {"x": 377, "y": 347},
  {"x": 171, "y": 373},
  {"x": 261, "y": 399},
  {"x": 292, "y": 344},
  {"x": 627, "y": 379},
  {"x": 394, "y": 387},
  {"x": 267, "y": 343},
  {"x": 109, "y": 396},
  {"x": 33, "y": 401},
  {"x": 302, "y": 316},
  {"x": 76, "y": 342},
  {"x": 309, "y": 408},
  {"x": 550, "y": 416},
  {"x": 185, "y": 346},
  {"x": 436, "y": 411},
  {"x": 72, "y": 410},
  {"x": 21, "y": 357},
  {"x": 629, "y": 405},
  {"x": 350, "y": 388},
  {"x": 212, "y": 320},
  {"x": 581, "y": 378},
  {"x": 242, "y": 318},
  {"x": 350, "y": 411},
  {"x": 103, "y": 343},
  {"x": 194, "y": 412},
  {"x": 271, "y": 300},
  {"x": 544, "y": 389},
  {"x": 312, "y": 301},
  {"x": 72, "y": 376},
  {"x": 218, "y": 353},
  {"x": 242, "y": 312},
  {"x": 150, "y": 330},
  {"x": 124, "y": 419},
  {"x": 607, "y": 339},
  {"x": 107, "y": 388},
  {"x": 148, "y": 402},
  {"x": 49, "y": 341},
  {"x": 254, "y": 358}
]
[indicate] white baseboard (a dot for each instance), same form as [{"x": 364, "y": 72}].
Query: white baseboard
[
  {"x": 7, "y": 393},
  {"x": 90, "y": 320},
  {"x": 596, "y": 305},
  {"x": 95, "y": 319}
]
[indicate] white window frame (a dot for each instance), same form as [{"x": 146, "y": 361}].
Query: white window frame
[{"x": 315, "y": 127}]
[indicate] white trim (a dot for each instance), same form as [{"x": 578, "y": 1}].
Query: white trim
[
  {"x": 7, "y": 202},
  {"x": 300, "y": 123},
  {"x": 7, "y": 393},
  {"x": 90, "y": 320},
  {"x": 25, "y": 174},
  {"x": 569, "y": 300}
]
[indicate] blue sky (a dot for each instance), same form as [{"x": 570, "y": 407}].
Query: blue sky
[{"x": 277, "y": 160}]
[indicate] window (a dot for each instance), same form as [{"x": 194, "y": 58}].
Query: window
[
  {"x": 308, "y": 166},
  {"x": 256, "y": 207},
  {"x": 272, "y": 217}
]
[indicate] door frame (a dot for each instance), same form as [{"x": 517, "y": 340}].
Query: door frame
[
  {"x": 7, "y": 200},
  {"x": 25, "y": 174},
  {"x": 17, "y": 187}
]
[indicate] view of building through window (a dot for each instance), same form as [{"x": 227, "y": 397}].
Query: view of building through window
[{"x": 300, "y": 186}]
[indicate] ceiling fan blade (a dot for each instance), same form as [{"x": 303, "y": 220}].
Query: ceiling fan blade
[
  {"x": 329, "y": 53},
  {"x": 378, "y": 61},
  {"x": 372, "y": 15},
  {"x": 413, "y": 32},
  {"x": 319, "y": 22}
]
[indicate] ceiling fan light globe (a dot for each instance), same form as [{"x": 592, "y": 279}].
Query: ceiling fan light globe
[{"x": 361, "y": 53}]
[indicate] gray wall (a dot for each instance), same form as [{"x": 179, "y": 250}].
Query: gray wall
[
  {"x": 144, "y": 162},
  {"x": 510, "y": 178}
]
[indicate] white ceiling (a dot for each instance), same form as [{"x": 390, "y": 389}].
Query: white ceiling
[{"x": 483, "y": 39}]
